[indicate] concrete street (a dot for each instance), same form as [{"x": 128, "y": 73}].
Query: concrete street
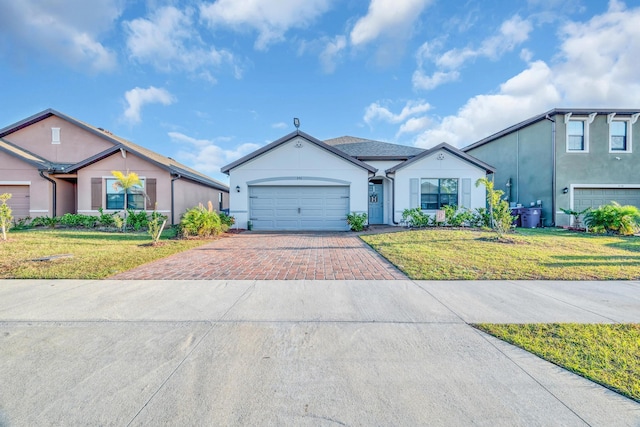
[{"x": 296, "y": 352}]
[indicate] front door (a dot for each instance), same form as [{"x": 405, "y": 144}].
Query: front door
[{"x": 376, "y": 211}]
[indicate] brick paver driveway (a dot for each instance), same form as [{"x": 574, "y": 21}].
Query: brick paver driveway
[{"x": 273, "y": 256}]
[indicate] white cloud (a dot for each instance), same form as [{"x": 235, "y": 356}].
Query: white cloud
[
  {"x": 422, "y": 81},
  {"x": 138, "y": 97},
  {"x": 596, "y": 66},
  {"x": 376, "y": 111},
  {"x": 598, "y": 60},
  {"x": 271, "y": 19},
  {"x": 414, "y": 125},
  {"x": 387, "y": 18},
  {"x": 331, "y": 52},
  {"x": 512, "y": 33},
  {"x": 67, "y": 31},
  {"x": 168, "y": 40},
  {"x": 528, "y": 93},
  {"x": 207, "y": 155},
  {"x": 279, "y": 125}
]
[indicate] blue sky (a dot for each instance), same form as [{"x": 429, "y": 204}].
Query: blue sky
[{"x": 206, "y": 82}]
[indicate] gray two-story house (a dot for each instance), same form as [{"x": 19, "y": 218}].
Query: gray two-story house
[{"x": 567, "y": 158}]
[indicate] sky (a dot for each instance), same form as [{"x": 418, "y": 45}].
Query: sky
[{"x": 207, "y": 82}]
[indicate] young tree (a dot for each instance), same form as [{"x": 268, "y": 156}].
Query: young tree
[
  {"x": 125, "y": 182},
  {"x": 499, "y": 212},
  {"x": 5, "y": 214}
]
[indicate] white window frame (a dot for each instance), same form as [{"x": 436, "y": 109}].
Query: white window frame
[
  {"x": 587, "y": 120},
  {"x": 109, "y": 184},
  {"x": 458, "y": 185},
  {"x": 629, "y": 124},
  {"x": 55, "y": 136}
]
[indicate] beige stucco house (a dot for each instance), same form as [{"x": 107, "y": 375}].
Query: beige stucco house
[{"x": 54, "y": 164}]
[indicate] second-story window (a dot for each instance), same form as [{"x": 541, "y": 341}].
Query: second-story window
[
  {"x": 576, "y": 140},
  {"x": 618, "y": 135}
]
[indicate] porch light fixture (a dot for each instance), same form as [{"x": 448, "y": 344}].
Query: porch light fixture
[
  {"x": 565, "y": 190},
  {"x": 237, "y": 188}
]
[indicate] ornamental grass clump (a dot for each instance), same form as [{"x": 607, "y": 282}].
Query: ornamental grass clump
[{"x": 201, "y": 222}]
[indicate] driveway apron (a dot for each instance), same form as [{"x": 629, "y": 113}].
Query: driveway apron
[{"x": 273, "y": 256}]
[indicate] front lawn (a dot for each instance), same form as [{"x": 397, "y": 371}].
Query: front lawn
[
  {"x": 93, "y": 254},
  {"x": 606, "y": 354},
  {"x": 543, "y": 254}
]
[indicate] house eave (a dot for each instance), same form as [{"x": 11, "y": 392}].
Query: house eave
[{"x": 226, "y": 169}]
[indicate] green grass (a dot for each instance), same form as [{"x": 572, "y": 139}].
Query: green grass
[
  {"x": 96, "y": 254},
  {"x": 544, "y": 254},
  {"x": 606, "y": 354}
]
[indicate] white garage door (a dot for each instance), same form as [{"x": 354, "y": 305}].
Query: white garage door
[
  {"x": 299, "y": 208},
  {"x": 19, "y": 201},
  {"x": 594, "y": 197}
]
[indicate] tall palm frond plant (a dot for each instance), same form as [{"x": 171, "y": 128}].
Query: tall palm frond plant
[{"x": 125, "y": 182}]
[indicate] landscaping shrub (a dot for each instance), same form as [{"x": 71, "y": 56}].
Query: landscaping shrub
[
  {"x": 77, "y": 220},
  {"x": 613, "y": 219},
  {"x": 22, "y": 223},
  {"x": 416, "y": 218},
  {"x": 480, "y": 218},
  {"x": 45, "y": 221},
  {"x": 106, "y": 219},
  {"x": 357, "y": 221},
  {"x": 138, "y": 220},
  {"x": 200, "y": 221},
  {"x": 457, "y": 217},
  {"x": 227, "y": 219}
]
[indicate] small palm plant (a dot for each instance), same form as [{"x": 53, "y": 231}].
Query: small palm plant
[
  {"x": 125, "y": 182},
  {"x": 576, "y": 215}
]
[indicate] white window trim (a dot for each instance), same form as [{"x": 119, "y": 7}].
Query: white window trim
[
  {"x": 587, "y": 121},
  {"x": 630, "y": 121},
  {"x": 55, "y": 136},
  {"x": 143, "y": 179}
]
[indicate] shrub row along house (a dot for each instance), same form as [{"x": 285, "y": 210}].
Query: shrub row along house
[{"x": 54, "y": 164}]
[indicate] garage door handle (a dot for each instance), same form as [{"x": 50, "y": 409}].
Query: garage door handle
[{"x": 298, "y": 210}]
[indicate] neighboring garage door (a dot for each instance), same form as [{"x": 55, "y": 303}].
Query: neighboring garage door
[
  {"x": 19, "y": 201},
  {"x": 299, "y": 208},
  {"x": 594, "y": 197}
]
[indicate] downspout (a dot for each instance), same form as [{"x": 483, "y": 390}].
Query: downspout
[
  {"x": 393, "y": 199},
  {"x": 553, "y": 170},
  {"x": 176, "y": 177},
  {"x": 54, "y": 191}
]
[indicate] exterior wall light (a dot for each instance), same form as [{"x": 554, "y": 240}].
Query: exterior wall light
[
  {"x": 565, "y": 190},
  {"x": 238, "y": 188}
]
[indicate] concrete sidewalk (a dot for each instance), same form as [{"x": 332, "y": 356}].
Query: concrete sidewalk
[{"x": 296, "y": 353}]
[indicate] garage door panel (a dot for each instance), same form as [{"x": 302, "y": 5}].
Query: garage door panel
[
  {"x": 20, "y": 201},
  {"x": 299, "y": 208},
  {"x": 595, "y": 197}
]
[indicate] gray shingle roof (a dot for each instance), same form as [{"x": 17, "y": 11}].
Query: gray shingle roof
[{"x": 370, "y": 149}]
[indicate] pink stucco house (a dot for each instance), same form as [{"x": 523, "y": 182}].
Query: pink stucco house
[{"x": 54, "y": 164}]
